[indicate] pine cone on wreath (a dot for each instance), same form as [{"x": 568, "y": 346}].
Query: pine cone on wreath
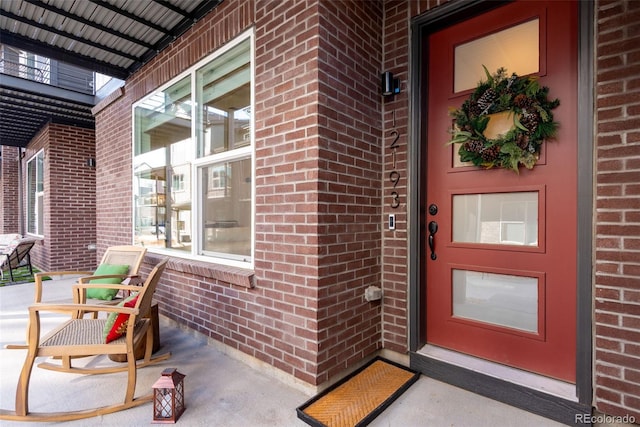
[
  {"x": 474, "y": 110},
  {"x": 487, "y": 99},
  {"x": 474, "y": 146},
  {"x": 490, "y": 154},
  {"x": 522, "y": 101},
  {"x": 522, "y": 141},
  {"x": 530, "y": 120}
]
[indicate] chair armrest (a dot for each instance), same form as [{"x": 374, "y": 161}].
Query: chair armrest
[
  {"x": 63, "y": 273},
  {"x": 86, "y": 279},
  {"x": 75, "y": 310},
  {"x": 72, "y": 308},
  {"x": 38, "y": 280},
  {"x": 106, "y": 286}
]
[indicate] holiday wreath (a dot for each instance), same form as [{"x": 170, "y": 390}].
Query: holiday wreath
[{"x": 527, "y": 106}]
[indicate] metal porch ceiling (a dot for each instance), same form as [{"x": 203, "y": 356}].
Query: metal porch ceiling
[
  {"x": 112, "y": 37},
  {"x": 24, "y": 112}
]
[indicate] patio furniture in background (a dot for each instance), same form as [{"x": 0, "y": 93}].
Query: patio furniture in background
[
  {"x": 8, "y": 239},
  {"x": 90, "y": 337},
  {"x": 15, "y": 255}
]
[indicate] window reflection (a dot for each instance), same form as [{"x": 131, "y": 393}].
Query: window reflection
[
  {"x": 226, "y": 209},
  {"x": 500, "y": 299},
  {"x": 192, "y": 166},
  {"x": 496, "y": 218},
  {"x": 162, "y": 189}
]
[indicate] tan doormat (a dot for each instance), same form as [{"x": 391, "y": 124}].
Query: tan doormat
[{"x": 359, "y": 398}]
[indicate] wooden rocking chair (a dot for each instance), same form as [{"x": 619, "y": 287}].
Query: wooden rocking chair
[
  {"x": 84, "y": 337},
  {"x": 115, "y": 255}
]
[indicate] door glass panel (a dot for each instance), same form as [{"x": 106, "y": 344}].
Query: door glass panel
[
  {"x": 515, "y": 48},
  {"x": 496, "y": 218},
  {"x": 499, "y": 299}
]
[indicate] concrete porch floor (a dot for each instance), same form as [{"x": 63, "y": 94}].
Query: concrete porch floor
[{"x": 221, "y": 390}]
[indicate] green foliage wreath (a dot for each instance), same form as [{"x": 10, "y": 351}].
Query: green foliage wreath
[{"x": 525, "y": 101}]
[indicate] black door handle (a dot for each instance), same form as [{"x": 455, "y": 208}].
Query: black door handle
[{"x": 433, "y": 229}]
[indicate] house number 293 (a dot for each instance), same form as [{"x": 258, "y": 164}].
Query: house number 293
[{"x": 394, "y": 175}]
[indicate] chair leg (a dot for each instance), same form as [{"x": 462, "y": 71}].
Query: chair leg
[
  {"x": 22, "y": 390},
  {"x": 66, "y": 362},
  {"x": 148, "y": 351},
  {"x": 30, "y": 266},
  {"x": 131, "y": 377}
]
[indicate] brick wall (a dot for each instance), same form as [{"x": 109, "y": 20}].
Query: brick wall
[
  {"x": 70, "y": 230},
  {"x": 9, "y": 207},
  {"x": 113, "y": 176},
  {"x": 348, "y": 211},
  {"x": 286, "y": 258},
  {"x": 617, "y": 277},
  {"x": 69, "y": 199},
  {"x": 395, "y": 113}
]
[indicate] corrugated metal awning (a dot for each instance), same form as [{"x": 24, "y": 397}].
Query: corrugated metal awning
[{"x": 112, "y": 37}]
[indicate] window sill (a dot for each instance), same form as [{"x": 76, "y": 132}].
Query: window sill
[{"x": 225, "y": 273}]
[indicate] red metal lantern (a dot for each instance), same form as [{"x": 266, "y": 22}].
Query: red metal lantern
[{"x": 168, "y": 397}]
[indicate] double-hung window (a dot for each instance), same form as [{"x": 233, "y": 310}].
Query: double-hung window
[
  {"x": 35, "y": 194},
  {"x": 193, "y": 161}
]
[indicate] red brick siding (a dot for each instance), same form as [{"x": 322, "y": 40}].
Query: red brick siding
[
  {"x": 317, "y": 182},
  {"x": 395, "y": 114},
  {"x": 69, "y": 199},
  {"x": 286, "y": 258},
  {"x": 617, "y": 269},
  {"x": 395, "y": 123},
  {"x": 72, "y": 185},
  {"x": 113, "y": 175},
  {"x": 349, "y": 196},
  {"x": 9, "y": 206}
]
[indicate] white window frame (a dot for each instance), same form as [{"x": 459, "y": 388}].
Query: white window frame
[
  {"x": 198, "y": 163},
  {"x": 38, "y": 197}
]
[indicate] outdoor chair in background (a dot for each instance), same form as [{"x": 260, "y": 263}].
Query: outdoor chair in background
[
  {"x": 15, "y": 256},
  {"x": 91, "y": 337}
]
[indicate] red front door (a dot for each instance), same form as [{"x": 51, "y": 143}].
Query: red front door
[{"x": 502, "y": 285}]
